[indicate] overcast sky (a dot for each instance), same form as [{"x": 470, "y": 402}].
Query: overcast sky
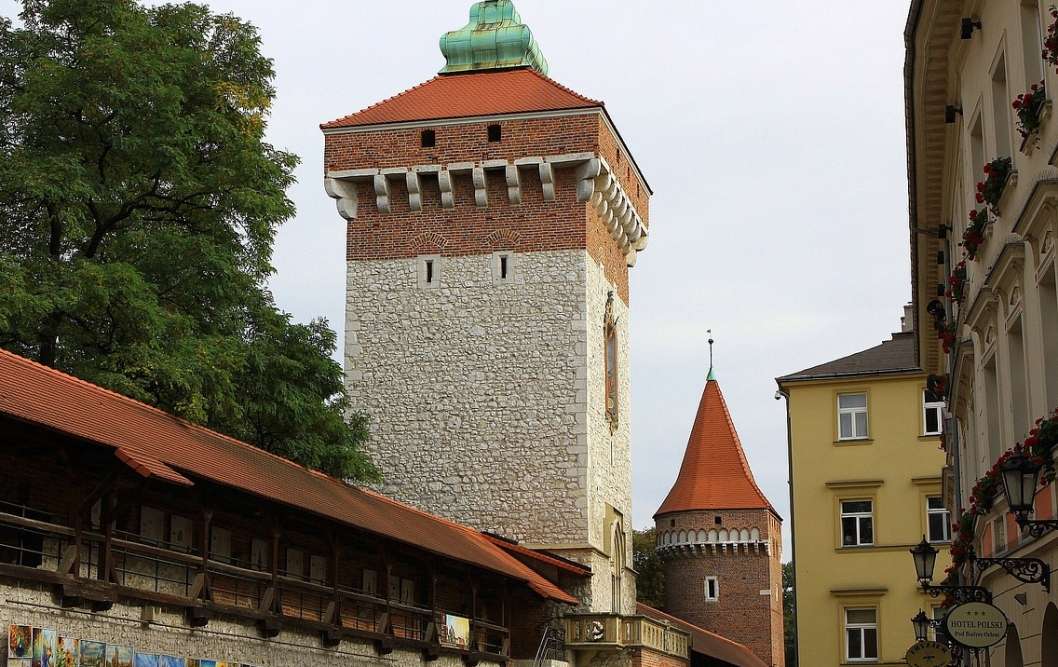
[{"x": 772, "y": 134}]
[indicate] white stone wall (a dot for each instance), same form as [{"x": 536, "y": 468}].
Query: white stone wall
[
  {"x": 486, "y": 397},
  {"x": 224, "y": 639}
]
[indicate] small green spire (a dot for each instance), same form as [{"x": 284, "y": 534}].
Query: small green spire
[
  {"x": 495, "y": 38},
  {"x": 712, "y": 375}
]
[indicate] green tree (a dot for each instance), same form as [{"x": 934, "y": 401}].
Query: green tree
[
  {"x": 650, "y": 584},
  {"x": 789, "y": 614},
  {"x": 140, "y": 206}
]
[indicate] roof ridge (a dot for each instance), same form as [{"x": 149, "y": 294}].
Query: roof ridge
[{"x": 566, "y": 88}]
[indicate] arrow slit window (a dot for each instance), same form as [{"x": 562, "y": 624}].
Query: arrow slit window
[{"x": 610, "y": 343}]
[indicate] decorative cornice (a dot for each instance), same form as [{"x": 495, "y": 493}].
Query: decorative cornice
[{"x": 596, "y": 185}]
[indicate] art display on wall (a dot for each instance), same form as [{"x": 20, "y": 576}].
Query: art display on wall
[
  {"x": 28, "y": 646},
  {"x": 455, "y": 632}
]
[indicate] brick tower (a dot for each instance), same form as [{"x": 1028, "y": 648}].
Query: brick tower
[
  {"x": 492, "y": 218},
  {"x": 721, "y": 539}
]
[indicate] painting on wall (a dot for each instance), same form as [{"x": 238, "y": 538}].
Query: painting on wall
[
  {"x": 455, "y": 632},
  {"x": 68, "y": 650},
  {"x": 93, "y": 654},
  {"x": 145, "y": 660},
  {"x": 119, "y": 655},
  {"x": 172, "y": 661},
  {"x": 19, "y": 642},
  {"x": 44, "y": 647}
]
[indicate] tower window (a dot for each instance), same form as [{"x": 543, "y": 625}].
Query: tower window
[
  {"x": 428, "y": 270},
  {"x": 495, "y": 133},
  {"x": 429, "y": 138},
  {"x": 712, "y": 588},
  {"x": 718, "y": 520},
  {"x": 503, "y": 266}
]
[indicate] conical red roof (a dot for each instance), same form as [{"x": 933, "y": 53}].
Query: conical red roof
[{"x": 715, "y": 473}]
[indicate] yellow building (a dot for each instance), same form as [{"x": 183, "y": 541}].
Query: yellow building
[
  {"x": 982, "y": 153},
  {"x": 865, "y": 487}
]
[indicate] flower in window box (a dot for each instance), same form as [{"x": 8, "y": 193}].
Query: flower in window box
[
  {"x": 957, "y": 283},
  {"x": 1028, "y": 107},
  {"x": 991, "y": 189},
  {"x": 947, "y": 332},
  {"x": 974, "y": 235},
  {"x": 1050, "y": 39}
]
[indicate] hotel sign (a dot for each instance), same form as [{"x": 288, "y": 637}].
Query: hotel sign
[{"x": 976, "y": 624}]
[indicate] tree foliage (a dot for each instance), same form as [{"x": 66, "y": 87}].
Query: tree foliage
[
  {"x": 650, "y": 584},
  {"x": 789, "y": 614},
  {"x": 140, "y": 204}
]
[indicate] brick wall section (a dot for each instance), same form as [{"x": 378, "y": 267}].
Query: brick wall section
[
  {"x": 742, "y": 613},
  {"x": 533, "y": 225}
]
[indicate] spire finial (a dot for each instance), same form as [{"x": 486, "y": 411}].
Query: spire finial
[
  {"x": 711, "y": 376},
  {"x": 495, "y": 38}
]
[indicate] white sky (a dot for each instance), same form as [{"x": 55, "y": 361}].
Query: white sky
[{"x": 771, "y": 132}]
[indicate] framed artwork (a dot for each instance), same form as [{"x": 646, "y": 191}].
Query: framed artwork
[
  {"x": 119, "y": 655},
  {"x": 146, "y": 660},
  {"x": 20, "y": 642},
  {"x": 295, "y": 563},
  {"x": 181, "y": 533},
  {"x": 260, "y": 555},
  {"x": 45, "y": 646},
  {"x": 171, "y": 661},
  {"x": 220, "y": 544},
  {"x": 93, "y": 654},
  {"x": 318, "y": 569},
  {"x": 152, "y": 525},
  {"x": 67, "y": 651},
  {"x": 455, "y": 632},
  {"x": 370, "y": 582}
]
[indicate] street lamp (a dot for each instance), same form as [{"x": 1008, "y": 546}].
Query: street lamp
[
  {"x": 921, "y": 624},
  {"x": 1020, "y": 474},
  {"x": 925, "y": 557}
]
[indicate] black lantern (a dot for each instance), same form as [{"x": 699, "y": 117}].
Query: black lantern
[
  {"x": 1020, "y": 475},
  {"x": 925, "y": 560},
  {"x": 921, "y": 625}
]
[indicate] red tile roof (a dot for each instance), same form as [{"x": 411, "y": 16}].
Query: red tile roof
[
  {"x": 715, "y": 473},
  {"x": 539, "y": 556},
  {"x": 707, "y": 643},
  {"x": 484, "y": 93},
  {"x": 160, "y": 446}
]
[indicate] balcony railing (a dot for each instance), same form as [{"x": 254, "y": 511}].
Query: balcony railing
[
  {"x": 37, "y": 546},
  {"x": 610, "y": 631}
]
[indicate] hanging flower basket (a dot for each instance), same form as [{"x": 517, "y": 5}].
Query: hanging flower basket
[
  {"x": 990, "y": 190},
  {"x": 957, "y": 283},
  {"x": 947, "y": 332},
  {"x": 974, "y": 235},
  {"x": 1029, "y": 109}
]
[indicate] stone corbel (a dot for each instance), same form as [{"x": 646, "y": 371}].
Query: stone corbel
[
  {"x": 381, "y": 193},
  {"x": 347, "y": 195},
  {"x": 414, "y": 191},
  {"x": 444, "y": 181},
  {"x": 586, "y": 175},
  {"x": 547, "y": 180},
  {"x": 481, "y": 193},
  {"x": 514, "y": 185}
]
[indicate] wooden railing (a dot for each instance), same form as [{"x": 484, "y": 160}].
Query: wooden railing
[
  {"x": 38, "y": 549},
  {"x": 611, "y": 631}
]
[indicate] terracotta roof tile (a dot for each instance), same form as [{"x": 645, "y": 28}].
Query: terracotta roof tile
[
  {"x": 158, "y": 445},
  {"x": 484, "y": 93},
  {"x": 714, "y": 473},
  {"x": 707, "y": 643},
  {"x": 892, "y": 356},
  {"x": 543, "y": 557}
]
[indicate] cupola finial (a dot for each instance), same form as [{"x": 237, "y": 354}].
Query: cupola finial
[{"x": 495, "y": 38}]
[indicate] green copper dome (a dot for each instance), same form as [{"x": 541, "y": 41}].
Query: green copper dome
[{"x": 495, "y": 38}]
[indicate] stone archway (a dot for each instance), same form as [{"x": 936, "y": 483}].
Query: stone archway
[
  {"x": 1012, "y": 653},
  {"x": 1049, "y": 637}
]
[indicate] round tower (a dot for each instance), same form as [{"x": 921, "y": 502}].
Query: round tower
[{"x": 720, "y": 538}]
